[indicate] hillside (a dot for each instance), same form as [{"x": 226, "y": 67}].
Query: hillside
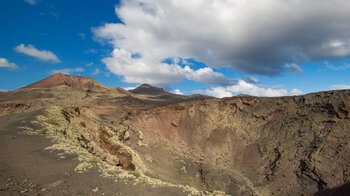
[
  {"x": 62, "y": 79},
  {"x": 151, "y": 142},
  {"x": 147, "y": 89},
  {"x": 64, "y": 90}
]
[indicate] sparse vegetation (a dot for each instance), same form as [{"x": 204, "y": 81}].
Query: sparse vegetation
[
  {"x": 187, "y": 180},
  {"x": 135, "y": 173},
  {"x": 251, "y": 138},
  {"x": 55, "y": 125},
  {"x": 52, "y": 121},
  {"x": 43, "y": 131},
  {"x": 94, "y": 159}
]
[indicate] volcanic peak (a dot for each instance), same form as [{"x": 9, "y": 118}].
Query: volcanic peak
[
  {"x": 147, "y": 90},
  {"x": 62, "y": 79}
]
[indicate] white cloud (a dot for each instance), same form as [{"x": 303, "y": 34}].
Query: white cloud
[
  {"x": 177, "y": 91},
  {"x": 207, "y": 75},
  {"x": 67, "y": 71},
  {"x": 242, "y": 87},
  {"x": 4, "y": 63},
  {"x": 294, "y": 68},
  {"x": 32, "y": 2},
  {"x": 339, "y": 87},
  {"x": 219, "y": 92},
  {"x": 295, "y": 91},
  {"x": 130, "y": 88},
  {"x": 257, "y": 37},
  {"x": 97, "y": 71},
  {"x": 147, "y": 68},
  {"x": 342, "y": 67},
  {"x": 43, "y": 55},
  {"x": 338, "y": 47}
]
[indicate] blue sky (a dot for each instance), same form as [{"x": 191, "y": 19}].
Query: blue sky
[{"x": 224, "y": 51}]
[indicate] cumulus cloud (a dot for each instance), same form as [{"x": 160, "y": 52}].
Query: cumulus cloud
[
  {"x": 256, "y": 37},
  {"x": 177, "y": 91},
  {"x": 147, "y": 69},
  {"x": 5, "y": 63},
  {"x": 339, "y": 87},
  {"x": 67, "y": 71},
  {"x": 151, "y": 70},
  {"x": 219, "y": 92},
  {"x": 242, "y": 87},
  {"x": 43, "y": 55},
  {"x": 32, "y": 2},
  {"x": 207, "y": 76}
]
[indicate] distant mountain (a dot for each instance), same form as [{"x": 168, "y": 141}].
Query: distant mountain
[
  {"x": 151, "y": 92},
  {"x": 61, "y": 89},
  {"x": 147, "y": 89},
  {"x": 84, "y": 83}
]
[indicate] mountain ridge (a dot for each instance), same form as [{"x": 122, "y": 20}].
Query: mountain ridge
[
  {"x": 241, "y": 145},
  {"x": 68, "y": 90}
]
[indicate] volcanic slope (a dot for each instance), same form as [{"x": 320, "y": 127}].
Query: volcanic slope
[
  {"x": 64, "y": 90},
  {"x": 178, "y": 145}
]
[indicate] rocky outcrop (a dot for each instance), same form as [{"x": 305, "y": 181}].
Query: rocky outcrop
[{"x": 284, "y": 145}]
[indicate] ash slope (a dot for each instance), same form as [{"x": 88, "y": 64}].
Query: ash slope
[{"x": 239, "y": 145}]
